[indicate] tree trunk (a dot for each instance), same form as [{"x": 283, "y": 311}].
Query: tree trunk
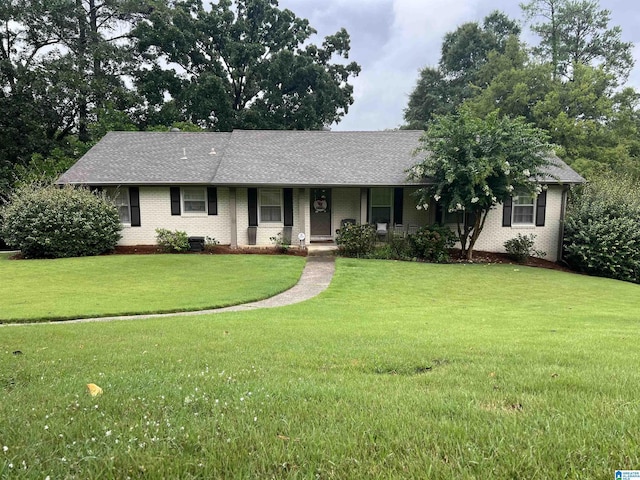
[{"x": 83, "y": 110}]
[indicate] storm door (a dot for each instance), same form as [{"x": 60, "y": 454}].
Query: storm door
[{"x": 321, "y": 212}]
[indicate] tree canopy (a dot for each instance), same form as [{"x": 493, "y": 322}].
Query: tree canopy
[
  {"x": 70, "y": 70},
  {"x": 571, "y": 84},
  {"x": 474, "y": 164}
]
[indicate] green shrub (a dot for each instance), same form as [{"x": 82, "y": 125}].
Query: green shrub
[
  {"x": 172, "y": 242},
  {"x": 602, "y": 229},
  {"x": 210, "y": 244},
  {"x": 282, "y": 244},
  {"x": 522, "y": 247},
  {"x": 432, "y": 243},
  {"x": 51, "y": 222},
  {"x": 356, "y": 240}
]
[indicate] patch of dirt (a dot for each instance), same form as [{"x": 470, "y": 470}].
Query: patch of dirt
[
  {"x": 503, "y": 258},
  {"x": 218, "y": 249}
]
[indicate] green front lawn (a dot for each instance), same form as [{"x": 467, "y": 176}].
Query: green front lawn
[
  {"x": 126, "y": 284},
  {"x": 398, "y": 370}
]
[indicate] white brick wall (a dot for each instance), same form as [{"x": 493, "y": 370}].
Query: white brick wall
[
  {"x": 410, "y": 214},
  {"x": 346, "y": 204},
  {"x": 494, "y": 235},
  {"x": 155, "y": 211}
]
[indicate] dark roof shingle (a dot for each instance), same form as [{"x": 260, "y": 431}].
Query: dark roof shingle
[{"x": 258, "y": 157}]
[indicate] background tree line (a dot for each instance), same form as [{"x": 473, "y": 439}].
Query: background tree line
[
  {"x": 71, "y": 70},
  {"x": 572, "y": 84}
]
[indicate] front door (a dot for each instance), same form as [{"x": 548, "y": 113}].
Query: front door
[{"x": 321, "y": 212}]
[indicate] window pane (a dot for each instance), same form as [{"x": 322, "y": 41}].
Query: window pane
[
  {"x": 380, "y": 214},
  {"x": 270, "y": 214},
  {"x": 523, "y": 200},
  {"x": 381, "y": 197},
  {"x": 120, "y": 197},
  {"x": 123, "y": 212},
  {"x": 523, "y": 208},
  {"x": 194, "y": 194},
  {"x": 523, "y": 214},
  {"x": 270, "y": 197},
  {"x": 194, "y": 200},
  {"x": 270, "y": 205},
  {"x": 194, "y": 206}
]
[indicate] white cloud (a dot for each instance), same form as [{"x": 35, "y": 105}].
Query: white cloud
[{"x": 393, "y": 39}]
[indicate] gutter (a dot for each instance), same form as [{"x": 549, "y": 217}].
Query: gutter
[{"x": 563, "y": 212}]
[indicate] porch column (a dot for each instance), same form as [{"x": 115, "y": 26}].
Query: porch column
[
  {"x": 364, "y": 205},
  {"x": 303, "y": 215},
  {"x": 233, "y": 217}
]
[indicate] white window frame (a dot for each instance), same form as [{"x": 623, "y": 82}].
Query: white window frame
[
  {"x": 515, "y": 206},
  {"x": 121, "y": 199},
  {"x": 388, "y": 205},
  {"x": 261, "y": 204},
  {"x": 183, "y": 198}
]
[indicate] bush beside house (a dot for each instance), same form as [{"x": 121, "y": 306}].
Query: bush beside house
[
  {"x": 53, "y": 222},
  {"x": 602, "y": 230}
]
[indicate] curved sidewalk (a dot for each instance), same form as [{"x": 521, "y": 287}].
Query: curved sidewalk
[{"x": 316, "y": 277}]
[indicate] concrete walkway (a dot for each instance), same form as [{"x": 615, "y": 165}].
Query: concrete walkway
[{"x": 316, "y": 277}]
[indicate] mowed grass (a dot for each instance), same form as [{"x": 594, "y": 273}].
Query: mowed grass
[
  {"x": 398, "y": 370},
  {"x": 126, "y": 284}
]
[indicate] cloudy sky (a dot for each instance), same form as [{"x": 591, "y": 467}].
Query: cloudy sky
[{"x": 393, "y": 39}]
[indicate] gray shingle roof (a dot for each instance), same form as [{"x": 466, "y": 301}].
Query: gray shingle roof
[{"x": 257, "y": 157}]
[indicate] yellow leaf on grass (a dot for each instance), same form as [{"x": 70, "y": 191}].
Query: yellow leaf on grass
[{"x": 94, "y": 389}]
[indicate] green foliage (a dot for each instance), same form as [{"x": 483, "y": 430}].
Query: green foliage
[
  {"x": 570, "y": 84},
  {"x": 465, "y": 51},
  {"x": 356, "y": 240},
  {"x": 460, "y": 371},
  {"x": 210, "y": 244},
  {"x": 282, "y": 244},
  {"x": 247, "y": 64},
  {"x": 432, "y": 243},
  {"x": 397, "y": 247},
  {"x": 577, "y": 32},
  {"x": 602, "y": 230},
  {"x": 522, "y": 247},
  {"x": 473, "y": 164},
  {"x": 138, "y": 284},
  {"x": 52, "y": 222},
  {"x": 172, "y": 241}
]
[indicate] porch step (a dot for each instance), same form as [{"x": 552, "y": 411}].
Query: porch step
[{"x": 315, "y": 250}]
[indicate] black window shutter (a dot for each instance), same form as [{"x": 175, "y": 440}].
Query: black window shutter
[
  {"x": 368, "y": 205},
  {"x": 470, "y": 219},
  {"x": 212, "y": 200},
  {"x": 541, "y": 208},
  {"x": 175, "y": 200},
  {"x": 288, "y": 207},
  {"x": 506, "y": 212},
  {"x": 252, "y": 197},
  {"x": 439, "y": 214},
  {"x": 94, "y": 189},
  {"x": 134, "y": 203},
  {"x": 398, "y": 204}
]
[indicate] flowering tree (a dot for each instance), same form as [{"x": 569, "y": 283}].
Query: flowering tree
[{"x": 472, "y": 164}]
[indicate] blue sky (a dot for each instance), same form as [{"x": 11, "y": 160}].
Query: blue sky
[{"x": 393, "y": 39}]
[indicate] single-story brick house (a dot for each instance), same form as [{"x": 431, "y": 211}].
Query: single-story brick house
[{"x": 244, "y": 187}]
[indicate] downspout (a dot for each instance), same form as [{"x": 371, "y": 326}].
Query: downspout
[{"x": 563, "y": 212}]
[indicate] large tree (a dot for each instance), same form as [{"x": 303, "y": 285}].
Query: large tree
[
  {"x": 245, "y": 64},
  {"x": 61, "y": 65},
  {"x": 577, "y": 32},
  {"x": 472, "y": 164},
  {"x": 465, "y": 51}
]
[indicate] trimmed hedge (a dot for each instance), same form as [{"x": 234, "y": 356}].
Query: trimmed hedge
[{"x": 52, "y": 222}]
